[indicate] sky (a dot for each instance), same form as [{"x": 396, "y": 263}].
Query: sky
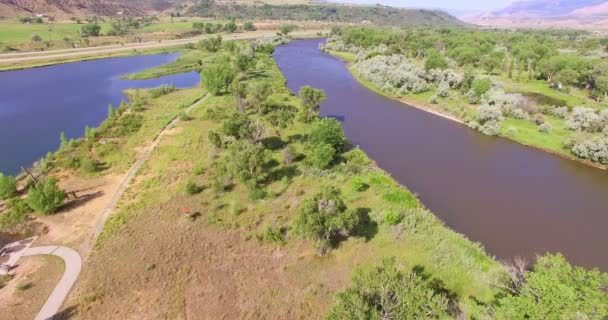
[{"x": 461, "y": 5}]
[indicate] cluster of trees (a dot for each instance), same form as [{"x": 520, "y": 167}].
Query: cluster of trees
[
  {"x": 563, "y": 59},
  {"x": 553, "y": 289},
  {"x": 378, "y": 15},
  {"x": 209, "y": 27}
]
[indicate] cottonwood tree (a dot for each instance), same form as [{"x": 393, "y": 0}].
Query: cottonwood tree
[
  {"x": 218, "y": 77},
  {"x": 311, "y": 99},
  {"x": 258, "y": 93},
  {"x": 387, "y": 291},
  {"x": 324, "y": 216},
  {"x": 281, "y": 117},
  {"x": 246, "y": 161},
  {"x": 557, "y": 290},
  {"x": 327, "y": 131}
]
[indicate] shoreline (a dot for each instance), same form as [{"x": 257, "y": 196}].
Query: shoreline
[{"x": 423, "y": 107}]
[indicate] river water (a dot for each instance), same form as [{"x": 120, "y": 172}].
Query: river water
[
  {"x": 515, "y": 200},
  {"x": 36, "y": 105}
]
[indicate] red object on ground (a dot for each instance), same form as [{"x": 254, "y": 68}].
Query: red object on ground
[{"x": 186, "y": 211}]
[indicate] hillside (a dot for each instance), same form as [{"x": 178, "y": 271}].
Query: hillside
[
  {"x": 298, "y": 10},
  {"x": 544, "y": 8}
]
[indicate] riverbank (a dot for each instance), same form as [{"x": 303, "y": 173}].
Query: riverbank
[{"x": 422, "y": 105}]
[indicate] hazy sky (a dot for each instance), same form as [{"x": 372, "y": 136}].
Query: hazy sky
[{"x": 468, "y": 5}]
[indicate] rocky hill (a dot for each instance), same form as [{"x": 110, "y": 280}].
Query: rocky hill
[{"x": 9, "y": 8}]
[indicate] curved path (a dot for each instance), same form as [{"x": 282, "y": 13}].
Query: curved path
[{"x": 73, "y": 264}]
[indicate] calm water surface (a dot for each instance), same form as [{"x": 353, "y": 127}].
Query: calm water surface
[
  {"x": 513, "y": 199},
  {"x": 36, "y": 105}
]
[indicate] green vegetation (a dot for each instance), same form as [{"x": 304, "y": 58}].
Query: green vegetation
[
  {"x": 388, "y": 292},
  {"x": 8, "y": 186},
  {"x": 45, "y": 197},
  {"x": 540, "y": 88}
]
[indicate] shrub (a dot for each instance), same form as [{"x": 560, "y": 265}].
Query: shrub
[
  {"x": 248, "y": 26},
  {"x": 192, "y": 188},
  {"x": 605, "y": 131},
  {"x": 129, "y": 123},
  {"x": 377, "y": 289},
  {"x": 89, "y": 165},
  {"x": 215, "y": 138},
  {"x": 325, "y": 216},
  {"x": 320, "y": 155},
  {"x": 481, "y": 86},
  {"x": 246, "y": 161},
  {"x": 518, "y": 114},
  {"x": 545, "y": 128},
  {"x": 594, "y": 149},
  {"x": 230, "y": 27},
  {"x": 162, "y": 90},
  {"x": 289, "y": 155},
  {"x": 311, "y": 99},
  {"x": 435, "y": 60},
  {"x": 558, "y": 112},
  {"x": 359, "y": 184},
  {"x": 212, "y": 44},
  {"x": 491, "y": 128},
  {"x": 329, "y": 131},
  {"x": 393, "y": 217},
  {"x": 90, "y": 30},
  {"x": 393, "y": 72},
  {"x": 256, "y": 192},
  {"x": 45, "y": 197},
  {"x": 8, "y": 186},
  {"x": 15, "y": 214},
  {"x": 274, "y": 234},
  {"x": 443, "y": 90},
  {"x": 583, "y": 118}
]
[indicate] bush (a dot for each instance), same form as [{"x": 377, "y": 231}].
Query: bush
[
  {"x": 558, "y": 112},
  {"x": 377, "y": 289},
  {"x": 320, "y": 155},
  {"x": 605, "y": 131},
  {"x": 8, "y": 186},
  {"x": 393, "y": 217},
  {"x": 248, "y": 26},
  {"x": 212, "y": 44},
  {"x": 359, "y": 184},
  {"x": 256, "y": 192},
  {"x": 545, "y": 128},
  {"x": 15, "y": 214},
  {"x": 128, "y": 123},
  {"x": 274, "y": 234},
  {"x": 90, "y": 30},
  {"x": 489, "y": 118},
  {"x": 435, "y": 60},
  {"x": 393, "y": 72},
  {"x": 246, "y": 161},
  {"x": 89, "y": 165},
  {"x": 594, "y": 149},
  {"x": 329, "y": 131},
  {"x": 289, "y": 155},
  {"x": 45, "y": 197},
  {"x": 325, "y": 216},
  {"x": 192, "y": 188},
  {"x": 481, "y": 86},
  {"x": 584, "y": 119},
  {"x": 162, "y": 90},
  {"x": 518, "y": 114}
]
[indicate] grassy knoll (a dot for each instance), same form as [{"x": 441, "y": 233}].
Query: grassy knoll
[
  {"x": 239, "y": 248},
  {"x": 190, "y": 60}
]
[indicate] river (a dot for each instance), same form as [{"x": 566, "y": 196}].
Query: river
[
  {"x": 37, "y": 104},
  {"x": 515, "y": 200}
]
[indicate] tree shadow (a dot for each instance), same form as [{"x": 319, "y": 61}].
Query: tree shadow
[
  {"x": 256, "y": 75},
  {"x": 273, "y": 143},
  {"x": 367, "y": 228},
  {"x": 66, "y": 314},
  {"x": 438, "y": 287},
  {"x": 271, "y": 164},
  {"x": 296, "y": 138},
  {"x": 340, "y": 118},
  {"x": 80, "y": 201},
  {"x": 282, "y": 172}
]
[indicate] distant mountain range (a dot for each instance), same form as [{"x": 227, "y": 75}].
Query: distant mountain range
[
  {"x": 82, "y": 7},
  {"x": 551, "y": 8}
]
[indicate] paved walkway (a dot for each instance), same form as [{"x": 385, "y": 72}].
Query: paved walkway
[
  {"x": 12, "y": 252},
  {"x": 73, "y": 264}
]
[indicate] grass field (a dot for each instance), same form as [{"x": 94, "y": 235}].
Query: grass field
[{"x": 181, "y": 265}]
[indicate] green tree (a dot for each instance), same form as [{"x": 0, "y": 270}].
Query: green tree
[
  {"x": 258, "y": 93},
  {"x": 218, "y": 76},
  {"x": 281, "y": 117},
  {"x": 8, "y": 186},
  {"x": 238, "y": 125},
  {"x": 435, "y": 60},
  {"x": 287, "y": 28},
  {"x": 230, "y": 27},
  {"x": 320, "y": 155},
  {"x": 90, "y": 30},
  {"x": 212, "y": 44},
  {"x": 324, "y": 216},
  {"x": 246, "y": 161},
  {"x": 243, "y": 62},
  {"x": 481, "y": 86},
  {"x": 45, "y": 197},
  {"x": 492, "y": 61},
  {"x": 329, "y": 131},
  {"x": 386, "y": 291},
  {"x": 311, "y": 99},
  {"x": 36, "y": 38},
  {"x": 557, "y": 290}
]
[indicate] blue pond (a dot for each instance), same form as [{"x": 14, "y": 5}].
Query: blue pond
[{"x": 36, "y": 105}]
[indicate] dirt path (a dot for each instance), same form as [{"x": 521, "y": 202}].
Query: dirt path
[
  {"x": 129, "y": 177},
  {"x": 67, "y": 53}
]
